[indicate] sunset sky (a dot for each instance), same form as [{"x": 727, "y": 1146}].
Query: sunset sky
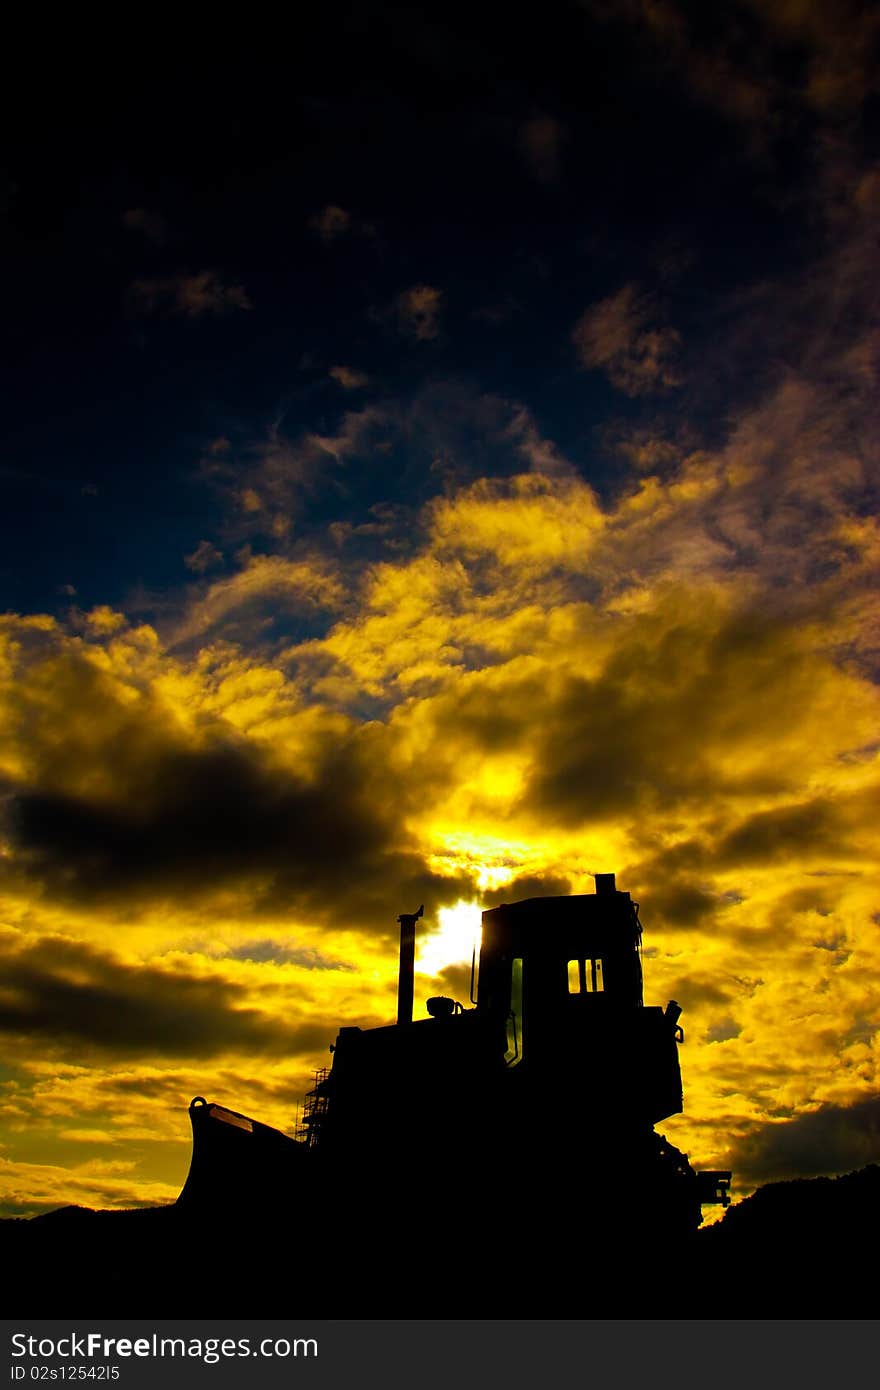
[{"x": 439, "y": 464}]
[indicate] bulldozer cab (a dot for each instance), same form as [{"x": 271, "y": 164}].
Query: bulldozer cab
[
  {"x": 566, "y": 976},
  {"x": 557, "y": 966},
  {"x": 558, "y": 1022}
]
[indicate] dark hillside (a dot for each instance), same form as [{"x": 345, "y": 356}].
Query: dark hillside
[{"x": 787, "y": 1251}]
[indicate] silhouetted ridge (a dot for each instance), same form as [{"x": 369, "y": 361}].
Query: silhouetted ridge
[
  {"x": 789, "y": 1250},
  {"x": 802, "y": 1208}
]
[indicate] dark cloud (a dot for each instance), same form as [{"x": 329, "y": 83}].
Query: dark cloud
[
  {"x": 63, "y": 991},
  {"x": 662, "y": 727},
  {"x": 305, "y": 956},
  {"x": 234, "y": 1078},
  {"x": 832, "y": 1139},
  {"x": 172, "y": 819},
  {"x": 528, "y": 886},
  {"x": 455, "y": 982},
  {"x": 223, "y": 815},
  {"x": 680, "y": 904},
  {"x": 694, "y": 991},
  {"x": 487, "y": 719},
  {"x": 722, "y": 1031},
  {"x": 141, "y": 1083},
  {"x": 658, "y": 729},
  {"x": 611, "y": 746},
  {"x": 216, "y": 811},
  {"x": 812, "y": 828}
]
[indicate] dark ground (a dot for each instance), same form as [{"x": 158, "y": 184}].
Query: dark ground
[{"x": 792, "y": 1250}]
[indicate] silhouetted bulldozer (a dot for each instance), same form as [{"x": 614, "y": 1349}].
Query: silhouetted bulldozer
[{"x": 540, "y": 1096}]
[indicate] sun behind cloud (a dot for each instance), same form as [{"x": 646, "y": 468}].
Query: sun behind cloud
[{"x": 453, "y": 941}]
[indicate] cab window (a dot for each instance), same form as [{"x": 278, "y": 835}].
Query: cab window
[
  {"x": 514, "y": 1052},
  {"x": 586, "y": 976}
]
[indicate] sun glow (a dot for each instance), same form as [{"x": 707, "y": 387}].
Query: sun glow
[
  {"x": 492, "y": 860},
  {"x": 453, "y": 941}
]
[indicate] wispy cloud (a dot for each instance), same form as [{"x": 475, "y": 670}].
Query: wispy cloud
[
  {"x": 540, "y": 142},
  {"x": 147, "y": 221},
  {"x": 541, "y": 453},
  {"x": 834, "y": 45},
  {"x": 192, "y": 296},
  {"x": 204, "y": 557},
  {"x": 418, "y": 312},
  {"x": 349, "y": 378},
  {"x": 266, "y": 480},
  {"x": 300, "y": 584},
  {"x": 331, "y": 223},
  {"x": 617, "y": 336}
]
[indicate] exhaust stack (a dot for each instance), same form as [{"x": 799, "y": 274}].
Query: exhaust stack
[{"x": 405, "y": 979}]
